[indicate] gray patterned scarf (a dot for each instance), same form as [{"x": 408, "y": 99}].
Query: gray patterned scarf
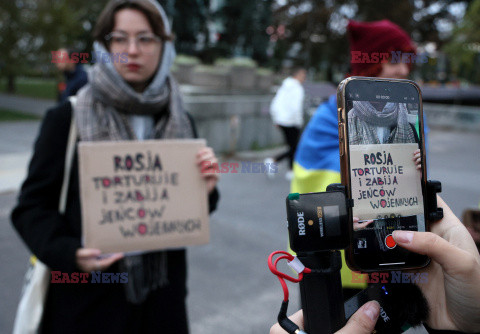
[
  {"x": 102, "y": 112},
  {"x": 363, "y": 119}
]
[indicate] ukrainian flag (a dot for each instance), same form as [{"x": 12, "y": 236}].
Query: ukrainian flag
[{"x": 317, "y": 164}]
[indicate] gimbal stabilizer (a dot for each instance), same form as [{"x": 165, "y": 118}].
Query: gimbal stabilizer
[{"x": 318, "y": 225}]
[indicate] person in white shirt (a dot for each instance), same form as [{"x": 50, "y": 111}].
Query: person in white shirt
[{"x": 286, "y": 110}]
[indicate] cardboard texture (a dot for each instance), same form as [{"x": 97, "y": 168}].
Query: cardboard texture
[
  {"x": 142, "y": 195},
  {"x": 385, "y": 181}
]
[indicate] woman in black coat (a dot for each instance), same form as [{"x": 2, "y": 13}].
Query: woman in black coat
[{"x": 136, "y": 99}]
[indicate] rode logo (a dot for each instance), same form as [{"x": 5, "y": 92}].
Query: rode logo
[
  {"x": 384, "y": 315},
  {"x": 301, "y": 223}
]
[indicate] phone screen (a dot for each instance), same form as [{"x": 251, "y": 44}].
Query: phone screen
[{"x": 384, "y": 132}]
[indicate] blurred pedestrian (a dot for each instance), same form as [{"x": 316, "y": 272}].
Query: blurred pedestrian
[
  {"x": 73, "y": 72},
  {"x": 286, "y": 110},
  {"x": 317, "y": 160},
  {"x": 122, "y": 101}
]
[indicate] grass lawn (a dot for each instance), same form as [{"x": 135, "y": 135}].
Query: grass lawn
[
  {"x": 33, "y": 87},
  {"x": 7, "y": 115}
]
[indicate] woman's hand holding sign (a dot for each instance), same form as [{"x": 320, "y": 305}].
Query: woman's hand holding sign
[
  {"x": 88, "y": 259},
  {"x": 417, "y": 157},
  {"x": 208, "y": 164},
  {"x": 357, "y": 225}
]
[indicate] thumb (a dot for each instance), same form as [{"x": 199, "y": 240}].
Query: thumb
[
  {"x": 88, "y": 252},
  {"x": 363, "y": 321},
  {"x": 439, "y": 249}
]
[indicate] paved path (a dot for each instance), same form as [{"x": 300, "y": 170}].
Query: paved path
[{"x": 16, "y": 145}]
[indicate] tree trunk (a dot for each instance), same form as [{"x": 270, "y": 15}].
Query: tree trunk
[{"x": 11, "y": 83}]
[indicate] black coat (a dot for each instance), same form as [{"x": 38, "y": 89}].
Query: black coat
[
  {"x": 55, "y": 238},
  {"x": 74, "y": 81}
]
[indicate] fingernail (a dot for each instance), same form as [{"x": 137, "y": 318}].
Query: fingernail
[
  {"x": 403, "y": 236},
  {"x": 372, "y": 310}
]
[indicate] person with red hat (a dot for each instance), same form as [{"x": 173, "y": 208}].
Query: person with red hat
[
  {"x": 317, "y": 159},
  {"x": 372, "y": 45}
]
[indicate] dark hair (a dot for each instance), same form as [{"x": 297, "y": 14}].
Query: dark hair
[
  {"x": 106, "y": 20},
  {"x": 297, "y": 69}
]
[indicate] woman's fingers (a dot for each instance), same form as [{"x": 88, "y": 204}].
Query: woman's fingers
[
  {"x": 207, "y": 161},
  {"x": 358, "y": 226},
  {"x": 85, "y": 253},
  {"x": 417, "y": 158},
  {"x": 209, "y": 169},
  {"x": 205, "y": 154},
  {"x": 88, "y": 259},
  {"x": 440, "y": 250},
  {"x": 103, "y": 264},
  {"x": 364, "y": 224},
  {"x": 363, "y": 321}
]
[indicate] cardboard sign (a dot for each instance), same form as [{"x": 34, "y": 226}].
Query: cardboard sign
[
  {"x": 385, "y": 181},
  {"x": 141, "y": 196}
]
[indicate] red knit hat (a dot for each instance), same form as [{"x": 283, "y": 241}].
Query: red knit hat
[{"x": 379, "y": 36}]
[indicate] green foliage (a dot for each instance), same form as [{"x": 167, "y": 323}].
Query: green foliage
[
  {"x": 264, "y": 71},
  {"x": 255, "y": 146},
  {"x": 7, "y": 115},
  {"x": 31, "y": 29},
  {"x": 190, "y": 18},
  {"x": 39, "y": 88},
  {"x": 464, "y": 46},
  {"x": 317, "y": 29},
  {"x": 236, "y": 62},
  {"x": 186, "y": 60},
  {"x": 244, "y": 27}
]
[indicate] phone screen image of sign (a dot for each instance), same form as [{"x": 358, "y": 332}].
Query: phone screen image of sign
[{"x": 385, "y": 181}]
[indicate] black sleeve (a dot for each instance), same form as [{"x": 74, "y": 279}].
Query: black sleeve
[
  {"x": 214, "y": 196},
  {"x": 36, "y": 217}
]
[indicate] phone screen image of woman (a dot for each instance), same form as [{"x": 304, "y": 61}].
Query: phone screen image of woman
[{"x": 385, "y": 178}]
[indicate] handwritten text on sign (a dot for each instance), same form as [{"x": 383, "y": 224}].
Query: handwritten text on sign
[
  {"x": 139, "y": 196},
  {"x": 385, "y": 181}
]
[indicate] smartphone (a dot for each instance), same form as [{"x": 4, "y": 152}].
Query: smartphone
[{"x": 380, "y": 129}]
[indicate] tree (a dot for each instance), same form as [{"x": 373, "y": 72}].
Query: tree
[
  {"x": 31, "y": 29},
  {"x": 244, "y": 27},
  {"x": 189, "y": 22},
  {"x": 316, "y": 30},
  {"x": 464, "y": 46}
]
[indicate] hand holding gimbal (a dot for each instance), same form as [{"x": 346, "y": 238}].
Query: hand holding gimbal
[{"x": 318, "y": 225}]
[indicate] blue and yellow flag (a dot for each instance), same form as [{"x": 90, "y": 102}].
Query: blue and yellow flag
[{"x": 317, "y": 164}]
